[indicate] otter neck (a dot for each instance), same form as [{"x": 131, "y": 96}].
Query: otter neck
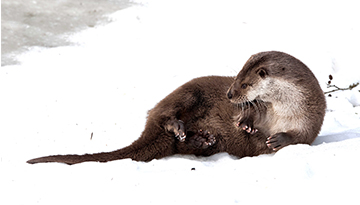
[{"x": 286, "y": 98}]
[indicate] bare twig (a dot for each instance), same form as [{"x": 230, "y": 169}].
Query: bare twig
[{"x": 337, "y": 88}]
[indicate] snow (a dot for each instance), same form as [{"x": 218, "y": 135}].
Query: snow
[
  {"x": 113, "y": 74},
  {"x": 27, "y": 23}
]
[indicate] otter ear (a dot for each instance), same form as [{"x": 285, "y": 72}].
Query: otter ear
[{"x": 262, "y": 72}]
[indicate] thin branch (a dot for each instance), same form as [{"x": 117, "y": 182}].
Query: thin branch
[{"x": 337, "y": 88}]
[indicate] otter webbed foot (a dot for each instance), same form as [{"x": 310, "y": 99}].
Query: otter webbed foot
[
  {"x": 202, "y": 140},
  {"x": 278, "y": 141},
  {"x": 178, "y": 128},
  {"x": 247, "y": 125}
]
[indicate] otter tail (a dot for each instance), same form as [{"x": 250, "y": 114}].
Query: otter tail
[
  {"x": 74, "y": 159},
  {"x": 154, "y": 146}
]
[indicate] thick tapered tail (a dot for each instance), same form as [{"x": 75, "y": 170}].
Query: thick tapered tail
[
  {"x": 156, "y": 145},
  {"x": 75, "y": 159}
]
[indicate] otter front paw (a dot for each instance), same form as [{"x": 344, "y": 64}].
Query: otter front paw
[
  {"x": 247, "y": 125},
  {"x": 202, "y": 140},
  {"x": 278, "y": 141},
  {"x": 178, "y": 128}
]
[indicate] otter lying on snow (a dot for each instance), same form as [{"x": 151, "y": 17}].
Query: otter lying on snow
[{"x": 275, "y": 101}]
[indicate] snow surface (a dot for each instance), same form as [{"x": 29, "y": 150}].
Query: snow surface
[
  {"x": 27, "y": 23},
  {"x": 57, "y": 97}
]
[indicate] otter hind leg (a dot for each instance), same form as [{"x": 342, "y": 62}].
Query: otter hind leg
[
  {"x": 178, "y": 128},
  {"x": 202, "y": 140}
]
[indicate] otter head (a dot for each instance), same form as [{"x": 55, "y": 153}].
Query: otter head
[
  {"x": 268, "y": 77},
  {"x": 248, "y": 87}
]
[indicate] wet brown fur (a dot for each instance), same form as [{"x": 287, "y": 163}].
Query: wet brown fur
[
  {"x": 200, "y": 112},
  {"x": 200, "y": 104}
]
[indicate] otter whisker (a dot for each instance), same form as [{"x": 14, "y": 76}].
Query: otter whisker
[{"x": 257, "y": 110}]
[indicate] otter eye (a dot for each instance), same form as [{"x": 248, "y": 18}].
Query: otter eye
[
  {"x": 262, "y": 73},
  {"x": 244, "y": 86}
]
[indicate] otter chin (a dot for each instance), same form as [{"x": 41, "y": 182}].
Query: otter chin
[{"x": 290, "y": 104}]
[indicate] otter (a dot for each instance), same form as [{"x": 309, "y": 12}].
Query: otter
[
  {"x": 214, "y": 114},
  {"x": 290, "y": 104},
  {"x": 196, "y": 118}
]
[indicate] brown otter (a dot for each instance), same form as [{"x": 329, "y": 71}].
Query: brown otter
[
  {"x": 197, "y": 118},
  {"x": 292, "y": 104}
]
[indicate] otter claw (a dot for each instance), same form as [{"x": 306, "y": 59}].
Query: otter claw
[
  {"x": 181, "y": 138},
  {"x": 202, "y": 140},
  {"x": 248, "y": 129},
  {"x": 278, "y": 141},
  {"x": 247, "y": 126},
  {"x": 178, "y": 128}
]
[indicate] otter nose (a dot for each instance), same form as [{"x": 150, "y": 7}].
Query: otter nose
[{"x": 229, "y": 95}]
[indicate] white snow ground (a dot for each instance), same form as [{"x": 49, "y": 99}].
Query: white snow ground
[{"x": 55, "y": 99}]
